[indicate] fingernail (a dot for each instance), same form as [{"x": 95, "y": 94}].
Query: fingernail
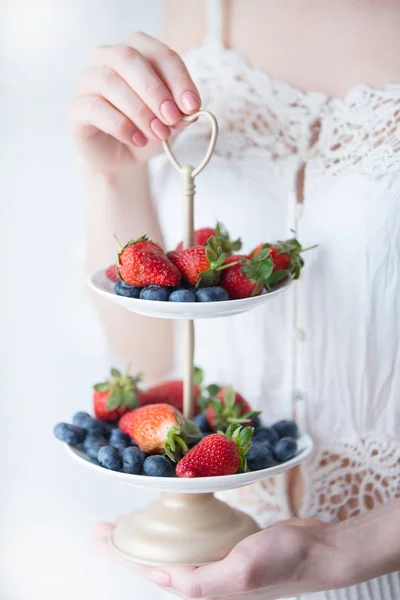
[
  {"x": 170, "y": 112},
  {"x": 160, "y": 578},
  {"x": 139, "y": 139},
  {"x": 161, "y": 130},
  {"x": 190, "y": 101}
]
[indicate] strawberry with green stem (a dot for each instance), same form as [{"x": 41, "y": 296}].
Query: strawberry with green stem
[
  {"x": 286, "y": 257},
  {"x": 115, "y": 396},
  {"x": 228, "y": 408},
  {"x": 201, "y": 265},
  {"x": 160, "y": 429},
  {"x": 218, "y": 454},
  {"x": 142, "y": 262}
]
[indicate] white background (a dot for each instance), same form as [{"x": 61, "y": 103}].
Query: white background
[{"x": 51, "y": 352}]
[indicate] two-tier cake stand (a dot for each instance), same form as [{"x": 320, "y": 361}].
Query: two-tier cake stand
[{"x": 187, "y": 524}]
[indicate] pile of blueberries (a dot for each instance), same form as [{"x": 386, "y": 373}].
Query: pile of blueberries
[
  {"x": 271, "y": 445},
  {"x": 168, "y": 294},
  {"x": 106, "y": 445}
]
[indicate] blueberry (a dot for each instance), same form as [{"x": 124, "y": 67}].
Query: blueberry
[
  {"x": 119, "y": 436},
  {"x": 109, "y": 458},
  {"x": 182, "y": 296},
  {"x": 70, "y": 434},
  {"x": 211, "y": 294},
  {"x": 158, "y": 466},
  {"x": 286, "y": 428},
  {"x": 266, "y": 434},
  {"x": 92, "y": 445},
  {"x": 285, "y": 449},
  {"x": 132, "y": 460},
  {"x": 119, "y": 445},
  {"x": 259, "y": 457},
  {"x": 82, "y": 419},
  {"x": 255, "y": 422},
  {"x": 155, "y": 292},
  {"x": 202, "y": 423},
  {"x": 99, "y": 428},
  {"x": 123, "y": 289}
]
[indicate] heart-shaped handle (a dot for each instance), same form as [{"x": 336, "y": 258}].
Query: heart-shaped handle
[{"x": 211, "y": 145}]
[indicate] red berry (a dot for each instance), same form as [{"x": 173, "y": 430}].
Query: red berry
[
  {"x": 112, "y": 274},
  {"x": 143, "y": 263}
]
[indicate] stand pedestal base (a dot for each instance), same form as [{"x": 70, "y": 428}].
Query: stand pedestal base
[{"x": 189, "y": 529}]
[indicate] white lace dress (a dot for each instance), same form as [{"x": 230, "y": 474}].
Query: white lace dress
[{"x": 329, "y": 350}]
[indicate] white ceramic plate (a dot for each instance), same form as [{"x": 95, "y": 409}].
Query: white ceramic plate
[
  {"x": 200, "y": 484},
  {"x": 100, "y": 283}
]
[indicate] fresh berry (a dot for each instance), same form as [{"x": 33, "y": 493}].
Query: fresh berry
[
  {"x": 115, "y": 396},
  {"x": 119, "y": 436},
  {"x": 182, "y": 296},
  {"x": 99, "y": 428},
  {"x": 286, "y": 428},
  {"x": 202, "y": 423},
  {"x": 109, "y": 458},
  {"x": 155, "y": 292},
  {"x": 217, "y": 454},
  {"x": 129, "y": 291},
  {"x": 286, "y": 258},
  {"x": 112, "y": 274},
  {"x": 132, "y": 460},
  {"x": 159, "y": 429},
  {"x": 260, "y": 457},
  {"x": 266, "y": 434},
  {"x": 285, "y": 449},
  {"x": 70, "y": 434},
  {"x": 201, "y": 237},
  {"x": 92, "y": 445},
  {"x": 201, "y": 265},
  {"x": 248, "y": 276},
  {"x": 167, "y": 392},
  {"x": 82, "y": 419},
  {"x": 228, "y": 407},
  {"x": 158, "y": 466},
  {"x": 212, "y": 294},
  {"x": 142, "y": 263}
]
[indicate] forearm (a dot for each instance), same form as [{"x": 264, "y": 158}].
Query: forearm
[
  {"x": 121, "y": 205},
  {"x": 370, "y": 544}
]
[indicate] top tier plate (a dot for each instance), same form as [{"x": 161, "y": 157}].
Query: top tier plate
[{"x": 178, "y": 310}]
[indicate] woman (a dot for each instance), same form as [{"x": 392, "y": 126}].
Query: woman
[{"x": 314, "y": 146}]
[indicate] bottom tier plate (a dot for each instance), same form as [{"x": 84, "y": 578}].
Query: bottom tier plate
[{"x": 200, "y": 485}]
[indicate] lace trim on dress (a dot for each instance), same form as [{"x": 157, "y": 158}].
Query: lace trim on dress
[
  {"x": 341, "y": 481},
  {"x": 263, "y": 117}
]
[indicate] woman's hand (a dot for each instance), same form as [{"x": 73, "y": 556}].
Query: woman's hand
[
  {"x": 287, "y": 559},
  {"x": 132, "y": 93}
]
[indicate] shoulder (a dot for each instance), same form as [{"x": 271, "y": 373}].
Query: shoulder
[{"x": 184, "y": 25}]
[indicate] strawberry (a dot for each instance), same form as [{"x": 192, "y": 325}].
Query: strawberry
[
  {"x": 226, "y": 408},
  {"x": 217, "y": 454},
  {"x": 249, "y": 275},
  {"x": 115, "y": 396},
  {"x": 285, "y": 256},
  {"x": 167, "y": 392},
  {"x": 112, "y": 274},
  {"x": 201, "y": 237},
  {"x": 200, "y": 265},
  {"x": 159, "y": 429},
  {"x": 142, "y": 262}
]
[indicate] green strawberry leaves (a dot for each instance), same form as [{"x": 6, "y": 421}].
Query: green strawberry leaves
[
  {"x": 178, "y": 437},
  {"x": 122, "y": 390},
  {"x": 216, "y": 258},
  {"x": 242, "y": 437},
  {"x": 258, "y": 269},
  {"x": 229, "y": 412},
  {"x": 224, "y": 241}
]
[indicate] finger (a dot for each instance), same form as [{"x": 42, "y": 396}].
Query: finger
[
  {"x": 143, "y": 80},
  {"x": 90, "y": 114},
  {"x": 171, "y": 68}
]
